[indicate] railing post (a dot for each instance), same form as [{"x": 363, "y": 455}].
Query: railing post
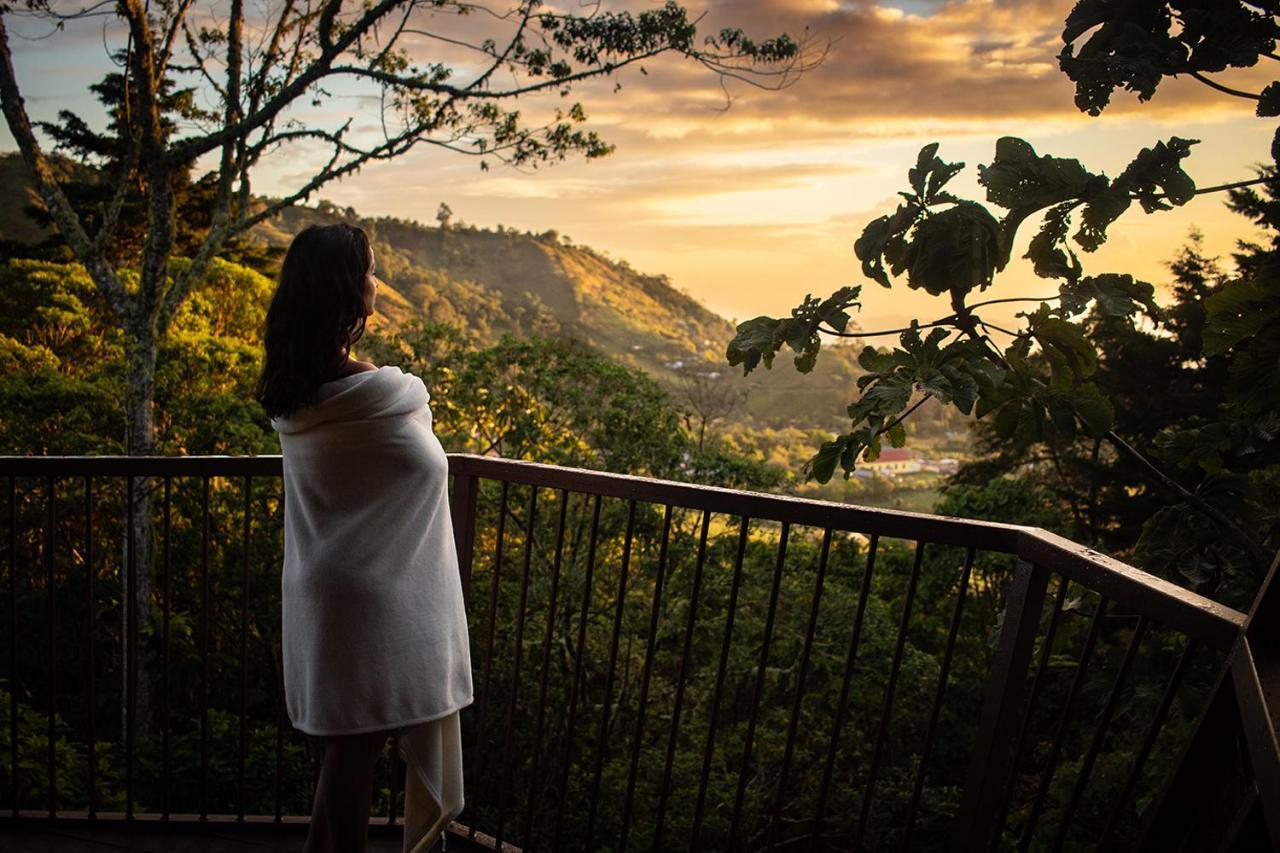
[
  {"x": 1255, "y": 671},
  {"x": 1234, "y": 754},
  {"x": 1000, "y": 710},
  {"x": 463, "y": 513}
]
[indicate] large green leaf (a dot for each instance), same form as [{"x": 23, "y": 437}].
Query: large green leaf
[
  {"x": 1105, "y": 205},
  {"x": 760, "y": 338},
  {"x": 1048, "y": 253},
  {"x": 955, "y": 251},
  {"x": 956, "y": 371},
  {"x": 930, "y": 174},
  {"x": 1116, "y": 295},
  {"x": 1269, "y": 101},
  {"x": 754, "y": 340},
  {"x": 870, "y": 246},
  {"x": 1154, "y": 178},
  {"x": 1135, "y": 45},
  {"x": 918, "y": 174},
  {"x": 1095, "y": 410},
  {"x": 1018, "y": 177},
  {"x": 823, "y": 464},
  {"x": 1129, "y": 47},
  {"x": 1064, "y": 338},
  {"x": 1239, "y": 311}
]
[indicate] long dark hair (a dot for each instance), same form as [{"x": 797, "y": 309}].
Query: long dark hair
[{"x": 315, "y": 317}]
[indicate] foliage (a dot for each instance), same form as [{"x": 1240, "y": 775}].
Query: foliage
[
  {"x": 540, "y": 399},
  {"x": 955, "y": 251},
  {"x": 64, "y": 382},
  {"x": 103, "y": 158},
  {"x": 1134, "y": 46},
  {"x": 557, "y": 400},
  {"x": 31, "y": 776},
  {"x": 1046, "y": 388},
  {"x": 1007, "y": 499},
  {"x": 211, "y": 99},
  {"x": 762, "y": 337}
]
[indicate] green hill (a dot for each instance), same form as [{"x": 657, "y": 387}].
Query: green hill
[
  {"x": 17, "y": 195},
  {"x": 494, "y": 281}
]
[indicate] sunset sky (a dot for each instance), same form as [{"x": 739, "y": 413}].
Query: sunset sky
[{"x": 750, "y": 208}]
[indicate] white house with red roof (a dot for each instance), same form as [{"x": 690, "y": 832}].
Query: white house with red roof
[{"x": 893, "y": 461}]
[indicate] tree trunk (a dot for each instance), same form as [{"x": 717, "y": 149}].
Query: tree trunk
[{"x": 139, "y": 547}]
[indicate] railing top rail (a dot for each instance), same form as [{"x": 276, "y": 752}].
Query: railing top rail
[
  {"x": 1178, "y": 607},
  {"x": 1187, "y": 611},
  {"x": 944, "y": 530},
  {"x": 141, "y": 466}
]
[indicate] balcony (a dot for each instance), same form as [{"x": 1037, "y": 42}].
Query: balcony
[{"x": 658, "y": 665}]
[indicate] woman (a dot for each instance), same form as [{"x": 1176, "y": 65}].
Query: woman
[{"x": 374, "y": 638}]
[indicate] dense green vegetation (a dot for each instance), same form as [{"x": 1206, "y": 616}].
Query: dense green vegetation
[
  {"x": 1190, "y": 385},
  {"x": 552, "y": 400}
]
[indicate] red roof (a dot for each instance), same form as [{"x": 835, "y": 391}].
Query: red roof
[{"x": 895, "y": 454}]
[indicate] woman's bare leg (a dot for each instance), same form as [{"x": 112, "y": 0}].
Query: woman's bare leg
[{"x": 340, "y": 814}]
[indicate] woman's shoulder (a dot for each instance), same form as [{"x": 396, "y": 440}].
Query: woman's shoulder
[{"x": 352, "y": 367}]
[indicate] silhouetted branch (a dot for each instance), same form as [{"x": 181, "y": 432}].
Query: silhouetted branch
[{"x": 1226, "y": 90}]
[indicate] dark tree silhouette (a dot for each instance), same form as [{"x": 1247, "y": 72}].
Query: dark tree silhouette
[{"x": 1037, "y": 382}]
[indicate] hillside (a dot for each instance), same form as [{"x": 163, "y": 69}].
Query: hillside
[
  {"x": 491, "y": 282},
  {"x": 17, "y": 195}
]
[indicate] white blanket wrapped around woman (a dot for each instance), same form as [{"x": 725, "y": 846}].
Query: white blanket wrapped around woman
[{"x": 374, "y": 625}]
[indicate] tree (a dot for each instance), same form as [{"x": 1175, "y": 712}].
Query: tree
[
  {"x": 1041, "y": 386},
  {"x": 709, "y": 395},
  {"x": 260, "y": 70},
  {"x": 261, "y": 66},
  {"x": 444, "y": 216},
  {"x": 557, "y": 400}
]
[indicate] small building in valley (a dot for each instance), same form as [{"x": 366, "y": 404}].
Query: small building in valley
[{"x": 893, "y": 461}]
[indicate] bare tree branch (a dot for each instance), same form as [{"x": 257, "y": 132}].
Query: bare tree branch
[
  {"x": 330, "y": 172},
  {"x": 111, "y": 212},
  {"x": 1226, "y": 90},
  {"x": 511, "y": 45},
  {"x": 199, "y": 58},
  {"x": 188, "y": 150},
  {"x": 232, "y": 154},
  {"x": 146, "y": 115},
  {"x": 948, "y": 320},
  {"x": 166, "y": 51}
]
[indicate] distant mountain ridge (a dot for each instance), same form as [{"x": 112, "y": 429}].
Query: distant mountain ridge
[
  {"x": 534, "y": 282},
  {"x": 526, "y": 283},
  {"x": 490, "y": 282}
]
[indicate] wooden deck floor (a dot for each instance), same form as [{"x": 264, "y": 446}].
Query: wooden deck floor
[{"x": 41, "y": 835}]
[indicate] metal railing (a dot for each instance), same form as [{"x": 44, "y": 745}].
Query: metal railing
[{"x": 658, "y": 664}]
